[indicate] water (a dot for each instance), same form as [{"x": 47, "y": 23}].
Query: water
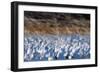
[{"x": 56, "y": 47}]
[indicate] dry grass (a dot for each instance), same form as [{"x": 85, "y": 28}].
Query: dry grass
[
  {"x": 56, "y": 23},
  {"x": 53, "y": 26}
]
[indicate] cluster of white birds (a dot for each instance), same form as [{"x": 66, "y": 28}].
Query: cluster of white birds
[{"x": 56, "y": 47}]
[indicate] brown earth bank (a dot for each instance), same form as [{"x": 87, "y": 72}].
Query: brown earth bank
[{"x": 56, "y": 23}]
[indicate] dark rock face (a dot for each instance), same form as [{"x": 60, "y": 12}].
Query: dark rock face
[{"x": 51, "y": 15}]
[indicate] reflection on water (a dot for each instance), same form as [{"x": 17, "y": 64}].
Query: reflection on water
[{"x": 56, "y": 47}]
